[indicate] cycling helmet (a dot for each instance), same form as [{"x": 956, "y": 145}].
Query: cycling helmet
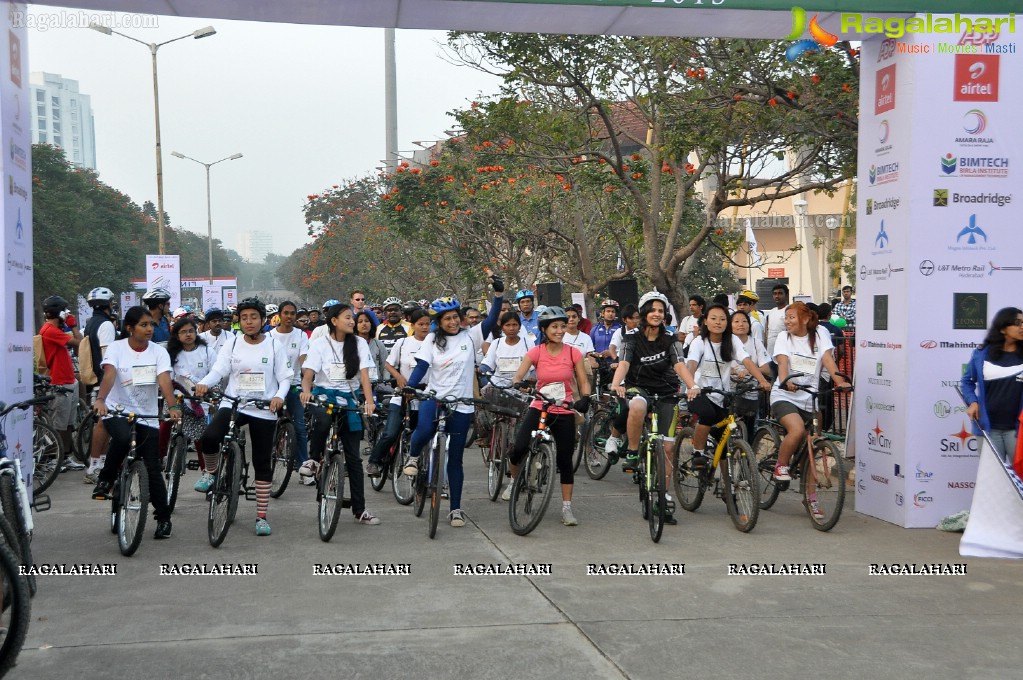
[
  {"x": 54, "y": 305},
  {"x": 252, "y": 303},
  {"x": 272, "y": 309},
  {"x": 444, "y": 304},
  {"x": 392, "y": 302},
  {"x": 180, "y": 312},
  {"x": 100, "y": 297},
  {"x": 650, "y": 297},
  {"x": 550, "y": 314},
  {"x": 214, "y": 313},
  {"x": 232, "y": 308},
  {"x": 749, "y": 295},
  {"x": 156, "y": 295},
  {"x": 608, "y": 302},
  {"x": 200, "y": 316},
  {"x": 423, "y": 303},
  {"x": 524, "y": 294},
  {"x": 410, "y": 307}
]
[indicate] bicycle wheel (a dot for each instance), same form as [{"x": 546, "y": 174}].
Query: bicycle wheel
[
  {"x": 740, "y": 479},
  {"x": 16, "y": 610},
  {"x": 580, "y": 449},
  {"x": 134, "y": 508},
  {"x": 223, "y": 495},
  {"x": 332, "y": 495},
  {"x": 282, "y": 457},
  {"x": 532, "y": 489},
  {"x": 689, "y": 484},
  {"x": 401, "y": 484},
  {"x": 497, "y": 464},
  {"x": 765, "y": 449},
  {"x": 82, "y": 421},
  {"x": 18, "y": 538},
  {"x": 380, "y": 481},
  {"x": 597, "y": 460},
  {"x": 47, "y": 456},
  {"x": 175, "y": 468},
  {"x": 436, "y": 483},
  {"x": 419, "y": 484},
  {"x": 829, "y": 489},
  {"x": 654, "y": 483}
]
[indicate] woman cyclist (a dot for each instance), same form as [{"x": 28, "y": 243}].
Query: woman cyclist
[
  {"x": 506, "y": 351},
  {"x": 256, "y": 367},
  {"x": 366, "y": 329},
  {"x": 191, "y": 360},
  {"x": 716, "y": 353},
  {"x": 556, "y": 365},
  {"x": 339, "y": 365},
  {"x": 135, "y": 370},
  {"x": 753, "y": 344}
]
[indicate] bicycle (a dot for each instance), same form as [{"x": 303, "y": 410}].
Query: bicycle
[
  {"x": 282, "y": 456},
  {"x": 506, "y": 407},
  {"x": 129, "y": 500},
  {"x": 331, "y": 479},
  {"x": 600, "y": 398},
  {"x": 653, "y": 470},
  {"x": 80, "y": 420},
  {"x": 396, "y": 457},
  {"x": 822, "y": 476},
  {"x": 727, "y": 451},
  {"x": 374, "y": 426},
  {"x": 15, "y": 609},
  {"x": 177, "y": 457}
]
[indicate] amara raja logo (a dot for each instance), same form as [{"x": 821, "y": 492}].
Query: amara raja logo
[
  {"x": 974, "y": 122},
  {"x": 820, "y": 37},
  {"x": 884, "y": 135}
]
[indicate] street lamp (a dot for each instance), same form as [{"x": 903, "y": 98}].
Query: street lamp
[
  {"x": 209, "y": 213},
  {"x": 799, "y": 205},
  {"x": 832, "y": 224},
  {"x": 153, "y": 47}
]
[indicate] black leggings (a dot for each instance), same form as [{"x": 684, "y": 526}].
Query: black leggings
[
  {"x": 261, "y": 434},
  {"x": 147, "y": 441},
  {"x": 349, "y": 445},
  {"x": 562, "y": 428},
  {"x": 706, "y": 411}
]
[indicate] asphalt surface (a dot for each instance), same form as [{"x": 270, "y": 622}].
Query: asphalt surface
[{"x": 286, "y": 622}]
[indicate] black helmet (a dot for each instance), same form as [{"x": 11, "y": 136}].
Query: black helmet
[
  {"x": 54, "y": 305},
  {"x": 252, "y": 303}
]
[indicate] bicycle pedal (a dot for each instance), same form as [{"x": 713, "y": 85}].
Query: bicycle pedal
[
  {"x": 41, "y": 502},
  {"x": 782, "y": 486},
  {"x": 192, "y": 465}
]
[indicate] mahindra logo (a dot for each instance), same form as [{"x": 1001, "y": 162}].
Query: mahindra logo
[
  {"x": 977, "y": 70},
  {"x": 928, "y": 344}
]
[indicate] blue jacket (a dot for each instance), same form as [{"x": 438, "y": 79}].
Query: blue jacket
[{"x": 973, "y": 388}]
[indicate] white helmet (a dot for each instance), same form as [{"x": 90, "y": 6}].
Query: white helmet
[
  {"x": 650, "y": 297},
  {"x": 100, "y": 297},
  {"x": 271, "y": 309},
  {"x": 392, "y": 301}
]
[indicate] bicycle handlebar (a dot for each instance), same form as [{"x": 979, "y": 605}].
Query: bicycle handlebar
[
  {"x": 37, "y": 401},
  {"x": 814, "y": 391},
  {"x": 430, "y": 394}
]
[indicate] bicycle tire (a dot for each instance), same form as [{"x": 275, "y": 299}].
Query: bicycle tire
[
  {"x": 331, "y": 497},
  {"x": 402, "y": 484},
  {"x": 175, "y": 468},
  {"x": 532, "y": 490},
  {"x": 47, "y": 456},
  {"x": 436, "y": 483},
  {"x": 282, "y": 458},
  {"x": 134, "y": 508},
  {"x": 654, "y": 482},
  {"x": 765, "y": 449},
  {"x": 740, "y": 480},
  {"x": 830, "y": 487},
  {"x": 19, "y": 540},
  {"x": 419, "y": 485},
  {"x": 597, "y": 461},
  {"x": 223, "y": 495},
  {"x": 497, "y": 463},
  {"x": 689, "y": 483},
  {"x": 378, "y": 483},
  {"x": 16, "y": 613},
  {"x": 584, "y": 434},
  {"x": 83, "y": 421}
]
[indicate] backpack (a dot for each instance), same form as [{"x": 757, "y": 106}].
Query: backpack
[
  {"x": 39, "y": 356},
  {"x": 86, "y": 371}
]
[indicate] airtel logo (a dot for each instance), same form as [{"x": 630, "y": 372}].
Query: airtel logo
[
  {"x": 886, "y": 80},
  {"x": 928, "y": 344},
  {"x": 977, "y": 70}
]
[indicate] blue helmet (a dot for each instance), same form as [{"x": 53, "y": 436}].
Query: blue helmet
[
  {"x": 330, "y": 303},
  {"x": 444, "y": 304},
  {"x": 524, "y": 294},
  {"x": 214, "y": 313}
]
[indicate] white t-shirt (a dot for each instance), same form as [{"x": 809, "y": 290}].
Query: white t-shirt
[
  {"x": 216, "y": 342},
  {"x": 452, "y": 368},
  {"x": 296, "y": 346},
  {"x": 253, "y": 372},
  {"x": 754, "y": 347},
  {"x": 581, "y": 341},
  {"x": 774, "y": 324},
  {"x": 193, "y": 366},
  {"x": 616, "y": 337},
  {"x": 320, "y": 332},
  {"x": 504, "y": 360},
  {"x": 713, "y": 370},
  {"x": 326, "y": 358},
  {"x": 136, "y": 387},
  {"x": 801, "y": 360},
  {"x": 106, "y": 334},
  {"x": 403, "y": 358}
]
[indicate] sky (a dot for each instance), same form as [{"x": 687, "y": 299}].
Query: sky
[{"x": 303, "y": 104}]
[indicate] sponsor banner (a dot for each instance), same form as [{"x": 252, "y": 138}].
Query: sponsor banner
[
  {"x": 128, "y": 300},
  {"x": 212, "y": 296},
  {"x": 230, "y": 296},
  {"x": 164, "y": 271}
]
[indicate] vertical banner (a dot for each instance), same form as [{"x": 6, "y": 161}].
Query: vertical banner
[
  {"x": 230, "y": 296},
  {"x": 16, "y": 289},
  {"x": 165, "y": 271},
  {"x": 211, "y": 297},
  {"x": 128, "y": 300},
  {"x": 580, "y": 299},
  {"x": 84, "y": 312}
]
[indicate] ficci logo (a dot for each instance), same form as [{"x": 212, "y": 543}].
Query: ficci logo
[{"x": 821, "y": 38}]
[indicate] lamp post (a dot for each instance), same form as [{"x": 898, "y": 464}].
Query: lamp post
[
  {"x": 209, "y": 212},
  {"x": 153, "y": 47},
  {"x": 832, "y": 224},
  {"x": 799, "y": 205}
]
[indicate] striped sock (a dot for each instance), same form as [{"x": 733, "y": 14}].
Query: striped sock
[
  {"x": 262, "y": 498},
  {"x": 213, "y": 462}
]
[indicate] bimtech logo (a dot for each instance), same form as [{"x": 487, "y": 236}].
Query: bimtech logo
[{"x": 821, "y": 38}]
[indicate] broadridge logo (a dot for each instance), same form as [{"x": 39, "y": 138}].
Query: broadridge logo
[
  {"x": 942, "y": 198},
  {"x": 891, "y": 203}
]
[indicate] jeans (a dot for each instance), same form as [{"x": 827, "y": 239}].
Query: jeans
[
  {"x": 349, "y": 444},
  {"x": 457, "y": 429},
  {"x": 297, "y": 413},
  {"x": 147, "y": 447},
  {"x": 391, "y": 429},
  {"x": 1005, "y": 444}
]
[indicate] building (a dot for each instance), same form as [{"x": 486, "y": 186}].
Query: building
[
  {"x": 63, "y": 117},
  {"x": 256, "y": 245}
]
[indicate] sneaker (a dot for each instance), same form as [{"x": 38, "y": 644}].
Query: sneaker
[
  {"x": 308, "y": 481},
  {"x": 613, "y": 444},
  {"x": 367, "y": 517},
  {"x": 71, "y": 464},
  {"x": 815, "y": 510},
  {"x": 373, "y": 470},
  {"x": 631, "y": 461},
  {"x": 445, "y": 491},
  {"x": 102, "y": 490},
  {"x": 91, "y": 476},
  {"x": 781, "y": 473},
  {"x": 506, "y": 494},
  {"x": 411, "y": 468},
  {"x": 205, "y": 482},
  {"x": 163, "y": 530},
  {"x": 567, "y": 518},
  {"x": 262, "y": 527},
  {"x": 309, "y": 468},
  {"x": 457, "y": 518}
]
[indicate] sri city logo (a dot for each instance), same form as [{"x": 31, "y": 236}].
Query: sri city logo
[{"x": 821, "y": 38}]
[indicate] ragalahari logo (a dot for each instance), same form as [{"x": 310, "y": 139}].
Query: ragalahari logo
[{"x": 821, "y": 38}]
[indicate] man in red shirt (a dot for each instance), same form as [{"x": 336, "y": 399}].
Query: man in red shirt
[{"x": 58, "y": 361}]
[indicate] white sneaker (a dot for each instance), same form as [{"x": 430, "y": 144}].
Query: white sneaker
[
  {"x": 309, "y": 468},
  {"x": 506, "y": 494},
  {"x": 613, "y": 444}
]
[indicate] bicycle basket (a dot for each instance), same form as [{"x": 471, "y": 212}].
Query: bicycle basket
[{"x": 505, "y": 403}]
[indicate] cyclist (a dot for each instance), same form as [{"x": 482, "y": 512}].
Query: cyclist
[
  {"x": 58, "y": 360},
  {"x": 395, "y": 328},
  {"x": 256, "y": 367},
  {"x": 191, "y": 360},
  {"x": 296, "y": 346},
  {"x": 101, "y": 333},
  {"x": 650, "y": 363},
  {"x": 339, "y": 365},
  {"x": 605, "y": 329},
  {"x": 556, "y": 365},
  {"x": 630, "y": 314},
  {"x": 574, "y": 335},
  {"x": 157, "y": 299},
  {"x": 716, "y": 353},
  {"x": 753, "y": 344},
  {"x": 506, "y": 351},
  {"x": 272, "y": 317},
  {"x": 134, "y": 371},
  {"x": 526, "y": 300},
  {"x": 803, "y": 348},
  {"x": 366, "y": 329},
  {"x": 324, "y": 329},
  {"x": 215, "y": 336},
  {"x": 400, "y": 363},
  {"x": 449, "y": 354}
]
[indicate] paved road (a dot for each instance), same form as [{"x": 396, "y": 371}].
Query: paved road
[{"x": 434, "y": 624}]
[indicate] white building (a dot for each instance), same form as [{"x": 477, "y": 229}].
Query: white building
[
  {"x": 256, "y": 245},
  {"x": 63, "y": 117}
]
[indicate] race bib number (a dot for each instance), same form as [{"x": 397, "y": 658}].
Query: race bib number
[
  {"x": 508, "y": 364},
  {"x": 143, "y": 375},
  {"x": 336, "y": 372},
  {"x": 709, "y": 369},
  {"x": 803, "y": 364},
  {"x": 555, "y": 391},
  {"x": 253, "y": 383}
]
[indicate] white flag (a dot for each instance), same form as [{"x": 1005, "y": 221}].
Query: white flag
[{"x": 751, "y": 241}]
